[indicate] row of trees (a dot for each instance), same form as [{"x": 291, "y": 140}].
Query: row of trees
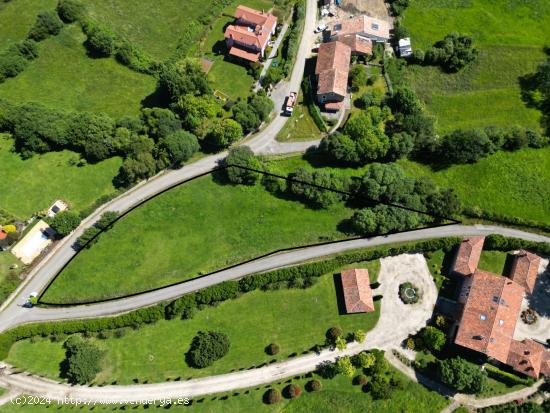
[{"x": 102, "y": 224}]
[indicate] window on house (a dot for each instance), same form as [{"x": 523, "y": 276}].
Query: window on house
[
  {"x": 501, "y": 322},
  {"x": 482, "y": 317},
  {"x": 337, "y": 27},
  {"x": 375, "y": 26}
]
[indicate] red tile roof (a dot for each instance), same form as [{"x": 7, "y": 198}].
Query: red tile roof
[
  {"x": 527, "y": 357},
  {"x": 357, "y": 291},
  {"x": 332, "y": 68},
  {"x": 334, "y": 105},
  {"x": 362, "y": 24},
  {"x": 358, "y": 44},
  {"x": 243, "y": 54},
  {"x": 3, "y": 235},
  {"x": 525, "y": 269},
  {"x": 490, "y": 314},
  {"x": 468, "y": 254},
  {"x": 255, "y": 35}
]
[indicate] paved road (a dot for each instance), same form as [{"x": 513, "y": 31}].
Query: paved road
[
  {"x": 388, "y": 333},
  {"x": 15, "y": 314},
  {"x": 62, "y": 252}
]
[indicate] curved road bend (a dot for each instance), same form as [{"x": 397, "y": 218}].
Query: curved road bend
[
  {"x": 15, "y": 314},
  {"x": 39, "y": 277},
  {"x": 387, "y": 333}
]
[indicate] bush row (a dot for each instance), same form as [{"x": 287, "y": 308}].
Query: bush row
[
  {"x": 497, "y": 242},
  {"x": 505, "y": 219},
  {"x": 505, "y": 377},
  {"x": 16, "y": 57},
  {"x": 292, "y": 41}
]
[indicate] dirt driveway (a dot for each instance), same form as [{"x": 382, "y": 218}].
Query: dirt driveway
[{"x": 373, "y": 8}]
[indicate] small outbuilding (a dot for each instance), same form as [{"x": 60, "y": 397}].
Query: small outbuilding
[
  {"x": 357, "y": 291},
  {"x": 405, "y": 47}
]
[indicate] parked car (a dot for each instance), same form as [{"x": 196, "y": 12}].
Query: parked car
[{"x": 321, "y": 28}]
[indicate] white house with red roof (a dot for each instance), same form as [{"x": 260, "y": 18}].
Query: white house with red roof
[{"x": 248, "y": 37}]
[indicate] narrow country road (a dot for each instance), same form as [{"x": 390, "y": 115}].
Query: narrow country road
[
  {"x": 388, "y": 333},
  {"x": 46, "y": 269},
  {"x": 15, "y": 314}
]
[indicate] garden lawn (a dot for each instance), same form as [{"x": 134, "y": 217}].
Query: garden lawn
[
  {"x": 296, "y": 319},
  {"x": 17, "y": 18},
  {"x": 338, "y": 395},
  {"x": 493, "y": 261},
  {"x": 508, "y": 183},
  {"x": 64, "y": 77},
  {"x": 32, "y": 185},
  {"x": 510, "y": 36},
  {"x": 196, "y": 228},
  {"x": 300, "y": 127}
]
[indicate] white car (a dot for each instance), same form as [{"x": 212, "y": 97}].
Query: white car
[{"x": 321, "y": 28}]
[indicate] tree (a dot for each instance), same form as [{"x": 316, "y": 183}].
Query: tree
[
  {"x": 383, "y": 219},
  {"x": 159, "y": 123},
  {"x": 433, "y": 338},
  {"x": 452, "y": 53},
  {"x": 463, "y": 146},
  {"x": 272, "y": 396},
  {"x": 47, "y": 23},
  {"x": 197, "y": 111},
  {"x": 64, "y": 223},
  {"x": 462, "y": 375},
  {"x": 344, "y": 366},
  {"x": 261, "y": 105},
  {"x": 364, "y": 360},
  {"x": 340, "y": 147},
  {"x": 181, "y": 78},
  {"x": 386, "y": 183},
  {"x": 70, "y": 10},
  {"x": 405, "y": 101},
  {"x": 88, "y": 234},
  {"x": 93, "y": 133},
  {"x": 333, "y": 333},
  {"x": 136, "y": 168},
  {"x": 365, "y": 128},
  {"x": 292, "y": 391},
  {"x": 246, "y": 116},
  {"x": 358, "y": 76},
  {"x": 224, "y": 132},
  {"x": 179, "y": 146},
  {"x": 242, "y": 156},
  {"x": 320, "y": 188},
  {"x": 206, "y": 348},
  {"x": 380, "y": 388},
  {"x": 401, "y": 144},
  {"x": 83, "y": 360}
]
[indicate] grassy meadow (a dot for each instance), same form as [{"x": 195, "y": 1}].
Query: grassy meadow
[
  {"x": 65, "y": 77},
  {"x": 196, "y": 228},
  {"x": 296, "y": 319},
  {"x": 32, "y": 185},
  {"x": 510, "y": 36}
]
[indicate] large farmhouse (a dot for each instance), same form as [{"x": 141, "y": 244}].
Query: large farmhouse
[
  {"x": 248, "y": 37},
  {"x": 332, "y": 71},
  {"x": 490, "y": 306},
  {"x": 363, "y": 27}
]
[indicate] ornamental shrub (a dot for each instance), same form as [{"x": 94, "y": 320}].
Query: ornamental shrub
[
  {"x": 360, "y": 380},
  {"x": 206, "y": 348},
  {"x": 272, "y": 349},
  {"x": 272, "y": 396},
  {"x": 314, "y": 385},
  {"x": 292, "y": 391}
]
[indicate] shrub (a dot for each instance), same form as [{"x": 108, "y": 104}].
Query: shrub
[
  {"x": 292, "y": 391},
  {"x": 47, "y": 23},
  {"x": 272, "y": 396},
  {"x": 364, "y": 360},
  {"x": 380, "y": 388},
  {"x": 179, "y": 146},
  {"x": 88, "y": 234},
  {"x": 462, "y": 375},
  {"x": 408, "y": 293},
  {"x": 314, "y": 385},
  {"x": 360, "y": 380},
  {"x": 70, "y": 10},
  {"x": 505, "y": 377},
  {"x": 82, "y": 361},
  {"x": 242, "y": 156},
  {"x": 100, "y": 41},
  {"x": 207, "y": 347},
  {"x": 272, "y": 349},
  {"x": 64, "y": 223},
  {"x": 333, "y": 333},
  {"x": 359, "y": 336},
  {"x": 344, "y": 366},
  {"x": 433, "y": 338}
]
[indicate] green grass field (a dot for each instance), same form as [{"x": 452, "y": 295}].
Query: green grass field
[
  {"x": 64, "y": 77},
  {"x": 493, "y": 261},
  {"x": 17, "y": 17},
  {"x": 509, "y": 183},
  {"x": 9, "y": 279},
  {"x": 300, "y": 126},
  {"x": 195, "y": 228},
  {"x": 32, "y": 185},
  {"x": 338, "y": 395},
  {"x": 510, "y": 36},
  {"x": 296, "y": 319}
]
